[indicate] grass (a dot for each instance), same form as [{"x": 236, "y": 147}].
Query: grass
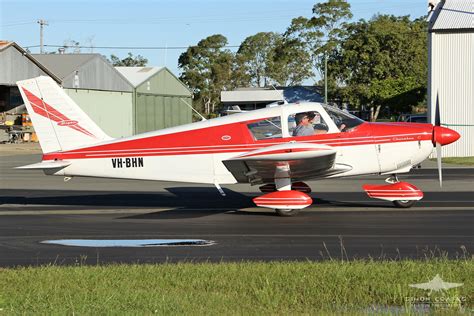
[
  {"x": 467, "y": 161},
  {"x": 335, "y": 287}
]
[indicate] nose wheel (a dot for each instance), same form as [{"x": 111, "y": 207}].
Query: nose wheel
[
  {"x": 287, "y": 212},
  {"x": 404, "y": 203}
]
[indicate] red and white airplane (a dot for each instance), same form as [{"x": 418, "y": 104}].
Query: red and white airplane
[{"x": 254, "y": 147}]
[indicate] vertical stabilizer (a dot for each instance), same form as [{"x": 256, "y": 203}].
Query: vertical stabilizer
[{"x": 58, "y": 121}]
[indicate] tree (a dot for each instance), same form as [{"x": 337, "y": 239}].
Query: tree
[
  {"x": 382, "y": 62},
  {"x": 267, "y": 58},
  {"x": 255, "y": 57},
  {"x": 129, "y": 61},
  {"x": 320, "y": 33},
  {"x": 291, "y": 63},
  {"x": 207, "y": 70},
  {"x": 330, "y": 17},
  {"x": 304, "y": 34}
]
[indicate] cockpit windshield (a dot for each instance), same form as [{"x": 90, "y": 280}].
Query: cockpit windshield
[{"x": 344, "y": 121}]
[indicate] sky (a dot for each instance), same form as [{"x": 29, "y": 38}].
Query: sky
[{"x": 167, "y": 26}]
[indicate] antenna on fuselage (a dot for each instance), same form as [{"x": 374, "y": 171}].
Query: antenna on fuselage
[
  {"x": 199, "y": 114},
  {"x": 276, "y": 103}
]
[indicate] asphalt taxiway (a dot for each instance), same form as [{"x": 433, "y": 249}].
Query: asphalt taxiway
[{"x": 342, "y": 222}]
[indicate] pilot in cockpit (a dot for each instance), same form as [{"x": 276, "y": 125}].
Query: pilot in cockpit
[{"x": 304, "y": 126}]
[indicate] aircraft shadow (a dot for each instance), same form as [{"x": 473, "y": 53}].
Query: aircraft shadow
[
  {"x": 183, "y": 202},
  {"x": 184, "y": 197}
]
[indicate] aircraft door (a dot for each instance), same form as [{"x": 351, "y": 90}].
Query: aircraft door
[
  {"x": 227, "y": 142},
  {"x": 355, "y": 142}
]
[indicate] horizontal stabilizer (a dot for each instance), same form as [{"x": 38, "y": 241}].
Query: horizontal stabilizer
[{"x": 58, "y": 164}]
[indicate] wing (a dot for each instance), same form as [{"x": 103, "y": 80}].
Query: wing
[
  {"x": 305, "y": 161},
  {"x": 448, "y": 285},
  {"x": 423, "y": 286}
]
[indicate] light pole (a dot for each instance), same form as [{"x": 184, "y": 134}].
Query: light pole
[{"x": 326, "y": 77}]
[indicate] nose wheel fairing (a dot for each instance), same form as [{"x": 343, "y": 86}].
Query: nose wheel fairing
[
  {"x": 402, "y": 194},
  {"x": 286, "y": 200}
]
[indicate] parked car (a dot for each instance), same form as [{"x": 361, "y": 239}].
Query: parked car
[{"x": 413, "y": 118}]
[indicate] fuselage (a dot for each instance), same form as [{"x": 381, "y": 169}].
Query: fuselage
[{"x": 194, "y": 152}]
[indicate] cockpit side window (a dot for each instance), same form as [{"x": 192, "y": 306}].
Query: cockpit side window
[
  {"x": 344, "y": 121},
  {"x": 306, "y": 124},
  {"x": 266, "y": 129}
]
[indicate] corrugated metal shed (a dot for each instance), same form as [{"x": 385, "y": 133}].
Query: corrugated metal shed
[
  {"x": 454, "y": 15},
  {"x": 16, "y": 64},
  {"x": 138, "y": 75},
  {"x": 451, "y": 72},
  {"x": 94, "y": 84},
  {"x": 85, "y": 71},
  {"x": 160, "y": 98},
  {"x": 452, "y": 78},
  {"x": 111, "y": 110}
]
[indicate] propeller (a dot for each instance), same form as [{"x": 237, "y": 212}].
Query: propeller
[
  {"x": 441, "y": 136},
  {"x": 438, "y": 145}
]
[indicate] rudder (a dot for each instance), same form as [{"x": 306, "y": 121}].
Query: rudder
[{"x": 58, "y": 121}]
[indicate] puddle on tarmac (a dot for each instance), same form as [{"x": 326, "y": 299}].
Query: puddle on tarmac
[{"x": 100, "y": 243}]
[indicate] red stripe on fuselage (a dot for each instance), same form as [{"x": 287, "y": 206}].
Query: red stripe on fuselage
[{"x": 209, "y": 141}]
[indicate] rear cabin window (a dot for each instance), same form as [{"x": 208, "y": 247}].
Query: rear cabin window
[{"x": 266, "y": 129}]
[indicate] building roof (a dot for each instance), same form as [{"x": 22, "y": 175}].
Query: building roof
[
  {"x": 138, "y": 75},
  {"x": 64, "y": 64},
  {"x": 453, "y": 15},
  {"x": 85, "y": 71},
  {"x": 252, "y": 95},
  {"x": 6, "y": 44}
]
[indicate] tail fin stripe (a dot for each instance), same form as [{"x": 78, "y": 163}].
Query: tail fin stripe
[
  {"x": 82, "y": 130},
  {"x": 44, "y": 107},
  {"x": 43, "y": 112},
  {"x": 51, "y": 113},
  {"x": 38, "y": 105},
  {"x": 60, "y": 123}
]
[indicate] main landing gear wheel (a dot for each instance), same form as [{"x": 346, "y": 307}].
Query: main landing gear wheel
[
  {"x": 404, "y": 203},
  {"x": 287, "y": 212}
]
